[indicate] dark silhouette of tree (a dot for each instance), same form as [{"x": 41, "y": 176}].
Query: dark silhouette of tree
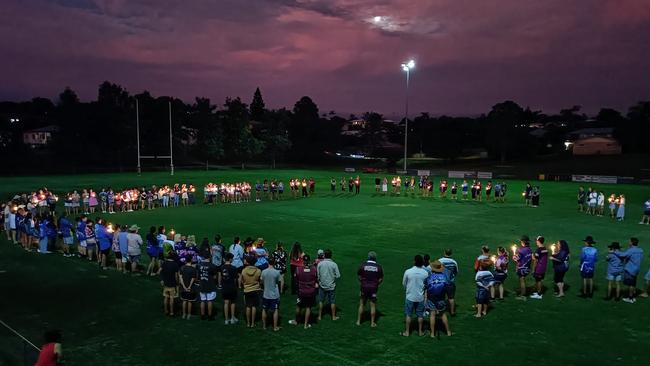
[
  {"x": 239, "y": 141},
  {"x": 502, "y": 136},
  {"x": 257, "y": 106}
]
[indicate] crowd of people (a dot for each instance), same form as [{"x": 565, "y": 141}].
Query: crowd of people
[{"x": 592, "y": 202}]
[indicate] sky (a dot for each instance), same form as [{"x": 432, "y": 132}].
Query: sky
[{"x": 344, "y": 54}]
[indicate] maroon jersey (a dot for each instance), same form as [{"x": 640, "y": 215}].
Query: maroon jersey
[
  {"x": 370, "y": 274},
  {"x": 307, "y": 277}
]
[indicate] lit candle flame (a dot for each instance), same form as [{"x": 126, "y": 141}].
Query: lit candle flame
[{"x": 514, "y": 249}]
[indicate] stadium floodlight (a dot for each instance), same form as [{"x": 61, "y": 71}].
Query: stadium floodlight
[{"x": 407, "y": 66}]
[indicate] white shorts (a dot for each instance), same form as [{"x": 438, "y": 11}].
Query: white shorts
[
  {"x": 208, "y": 296},
  {"x": 125, "y": 259},
  {"x": 67, "y": 240},
  {"x": 82, "y": 243}
]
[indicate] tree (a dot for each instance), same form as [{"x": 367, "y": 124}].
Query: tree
[
  {"x": 275, "y": 134},
  {"x": 372, "y": 129},
  {"x": 503, "y": 119},
  {"x": 238, "y": 137},
  {"x": 609, "y": 116},
  {"x": 303, "y": 130},
  {"x": 257, "y": 106},
  {"x": 209, "y": 137}
]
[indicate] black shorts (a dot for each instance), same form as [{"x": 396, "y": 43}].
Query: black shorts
[
  {"x": 105, "y": 251},
  {"x": 118, "y": 255},
  {"x": 188, "y": 296},
  {"x": 451, "y": 290},
  {"x": 628, "y": 279},
  {"x": 539, "y": 276},
  {"x": 369, "y": 294},
  {"x": 306, "y": 302},
  {"x": 558, "y": 277},
  {"x": 229, "y": 294},
  {"x": 252, "y": 299}
]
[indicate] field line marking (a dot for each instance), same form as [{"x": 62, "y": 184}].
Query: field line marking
[{"x": 318, "y": 350}]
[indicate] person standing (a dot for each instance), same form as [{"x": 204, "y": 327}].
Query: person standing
[
  {"x": 632, "y": 258},
  {"x": 645, "y": 219},
  {"x": 169, "y": 280},
  {"x": 307, "y": 279},
  {"x": 237, "y": 252},
  {"x": 65, "y": 228},
  {"x": 273, "y": 282},
  {"x": 370, "y": 275},
  {"x": 188, "y": 294},
  {"x": 207, "y": 274},
  {"x": 229, "y": 280},
  {"x": 523, "y": 255},
  {"x": 217, "y": 253},
  {"x": 328, "y": 274},
  {"x": 614, "y": 271},
  {"x": 620, "y": 212},
  {"x": 436, "y": 288},
  {"x": 582, "y": 199},
  {"x": 484, "y": 282},
  {"x": 540, "y": 260},
  {"x": 451, "y": 271},
  {"x": 413, "y": 282},
  {"x": 105, "y": 241},
  {"x": 249, "y": 281},
  {"x": 588, "y": 259},
  {"x": 295, "y": 258},
  {"x": 560, "y": 260},
  {"x": 500, "y": 271},
  {"x": 133, "y": 243}
]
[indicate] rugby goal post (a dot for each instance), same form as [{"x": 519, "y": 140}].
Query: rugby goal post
[{"x": 171, "y": 151}]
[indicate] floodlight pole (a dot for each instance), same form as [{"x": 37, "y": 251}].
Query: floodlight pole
[
  {"x": 406, "y": 114},
  {"x": 137, "y": 131},
  {"x": 171, "y": 153}
]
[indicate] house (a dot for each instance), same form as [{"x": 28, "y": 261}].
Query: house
[
  {"x": 39, "y": 136},
  {"x": 591, "y": 132},
  {"x": 597, "y": 146}
]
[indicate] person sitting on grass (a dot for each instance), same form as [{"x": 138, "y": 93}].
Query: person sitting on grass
[
  {"x": 588, "y": 259},
  {"x": 522, "y": 257},
  {"x": 328, "y": 274},
  {"x": 51, "y": 353},
  {"x": 614, "y": 271},
  {"x": 188, "y": 294},
  {"x": 249, "y": 281},
  {"x": 370, "y": 275},
  {"x": 632, "y": 258},
  {"x": 169, "y": 280},
  {"x": 273, "y": 282},
  {"x": 540, "y": 259},
  {"x": 307, "y": 282},
  {"x": 413, "y": 282},
  {"x": 229, "y": 276},
  {"x": 436, "y": 288},
  {"x": 484, "y": 281}
]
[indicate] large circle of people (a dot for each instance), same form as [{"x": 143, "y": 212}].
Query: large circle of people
[{"x": 197, "y": 271}]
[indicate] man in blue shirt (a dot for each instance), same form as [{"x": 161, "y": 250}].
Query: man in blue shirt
[
  {"x": 413, "y": 282},
  {"x": 588, "y": 259},
  {"x": 81, "y": 235},
  {"x": 451, "y": 271},
  {"x": 65, "y": 228},
  {"x": 614, "y": 271},
  {"x": 632, "y": 258}
]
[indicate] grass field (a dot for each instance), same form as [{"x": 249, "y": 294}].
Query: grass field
[{"x": 114, "y": 319}]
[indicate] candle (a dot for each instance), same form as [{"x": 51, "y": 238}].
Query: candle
[
  {"x": 172, "y": 232},
  {"x": 514, "y": 249},
  {"x": 109, "y": 228},
  {"x": 553, "y": 247},
  {"x": 493, "y": 258}
]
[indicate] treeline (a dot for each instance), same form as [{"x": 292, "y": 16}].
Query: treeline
[{"x": 101, "y": 135}]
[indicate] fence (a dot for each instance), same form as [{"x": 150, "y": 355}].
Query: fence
[{"x": 15, "y": 349}]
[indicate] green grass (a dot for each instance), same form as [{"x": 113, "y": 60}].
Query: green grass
[{"x": 114, "y": 319}]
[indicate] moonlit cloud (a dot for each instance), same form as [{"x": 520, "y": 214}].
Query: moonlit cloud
[{"x": 470, "y": 54}]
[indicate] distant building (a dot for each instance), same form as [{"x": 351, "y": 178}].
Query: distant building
[
  {"x": 597, "y": 146},
  {"x": 591, "y": 132},
  {"x": 39, "y": 136}
]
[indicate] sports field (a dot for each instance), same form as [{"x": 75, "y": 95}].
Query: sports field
[{"x": 112, "y": 319}]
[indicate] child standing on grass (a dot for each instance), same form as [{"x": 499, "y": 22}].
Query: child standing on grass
[
  {"x": 588, "y": 259},
  {"x": 560, "y": 259},
  {"x": 540, "y": 258},
  {"x": 501, "y": 270},
  {"x": 249, "y": 281},
  {"x": 169, "y": 280},
  {"x": 188, "y": 279},
  {"x": 614, "y": 271},
  {"x": 523, "y": 257},
  {"x": 484, "y": 282}
]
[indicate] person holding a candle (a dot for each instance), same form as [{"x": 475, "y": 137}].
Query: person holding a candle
[
  {"x": 601, "y": 203},
  {"x": 540, "y": 260},
  {"x": 620, "y": 212},
  {"x": 588, "y": 259},
  {"x": 500, "y": 270},
  {"x": 522, "y": 255},
  {"x": 560, "y": 260},
  {"x": 614, "y": 271}
]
